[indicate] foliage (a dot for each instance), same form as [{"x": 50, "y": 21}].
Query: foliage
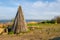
[
  {"x": 11, "y": 32},
  {"x": 48, "y": 21},
  {"x": 57, "y": 19}
]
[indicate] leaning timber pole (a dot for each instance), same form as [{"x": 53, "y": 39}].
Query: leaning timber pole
[{"x": 19, "y": 22}]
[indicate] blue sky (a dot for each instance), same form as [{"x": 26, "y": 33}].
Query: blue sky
[{"x": 32, "y": 9}]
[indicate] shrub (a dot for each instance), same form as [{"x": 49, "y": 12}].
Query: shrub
[{"x": 11, "y": 32}]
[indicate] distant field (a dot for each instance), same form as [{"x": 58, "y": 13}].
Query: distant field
[
  {"x": 44, "y": 25},
  {"x": 48, "y": 27}
]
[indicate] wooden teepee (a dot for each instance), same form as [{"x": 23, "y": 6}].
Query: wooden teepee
[{"x": 19, "y": 22}]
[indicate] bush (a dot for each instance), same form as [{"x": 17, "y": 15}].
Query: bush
[
  {"x": 11, "y": 32},
  {"x": 48, "y": 21}
]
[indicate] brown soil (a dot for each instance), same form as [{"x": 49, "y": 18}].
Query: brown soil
[
  {"x": 42, "y": 33},
  {"x": 33, "y": 35}
]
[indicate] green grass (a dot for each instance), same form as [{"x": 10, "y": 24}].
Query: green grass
[
  {"x": 48, "y": 27},
  {"x": 44, "y": 25},
  {"x": 11, "y": 32}
]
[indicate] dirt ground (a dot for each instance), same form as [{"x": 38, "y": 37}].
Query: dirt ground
[
  {"x": 33, "y": 35},
  {"x": 45, "y": 33}
]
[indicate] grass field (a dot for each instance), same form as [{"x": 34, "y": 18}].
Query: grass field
[{"x": 37, "y": 32}]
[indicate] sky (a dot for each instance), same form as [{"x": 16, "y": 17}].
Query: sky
[{"x": 32, "y": 9}]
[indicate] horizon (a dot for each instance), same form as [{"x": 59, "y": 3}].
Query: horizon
[{"x": 32, "y": 9}]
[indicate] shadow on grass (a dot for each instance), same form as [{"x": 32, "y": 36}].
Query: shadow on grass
[{"x": 56, "y": 38}]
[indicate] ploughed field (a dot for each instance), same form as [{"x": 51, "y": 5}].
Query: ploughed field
[{"x": 36, "y": 32}]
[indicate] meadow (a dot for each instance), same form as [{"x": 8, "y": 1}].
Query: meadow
[{"x": 36, "y": 32}]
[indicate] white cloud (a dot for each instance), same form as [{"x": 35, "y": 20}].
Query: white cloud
[
  {"x": 43, "y": 10},
  {"x": 40, "y": 4},
  {"x": 7, "y": 12},
  {"x": 34, "y": 10},
  {"x": 58, "y": 0}
]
